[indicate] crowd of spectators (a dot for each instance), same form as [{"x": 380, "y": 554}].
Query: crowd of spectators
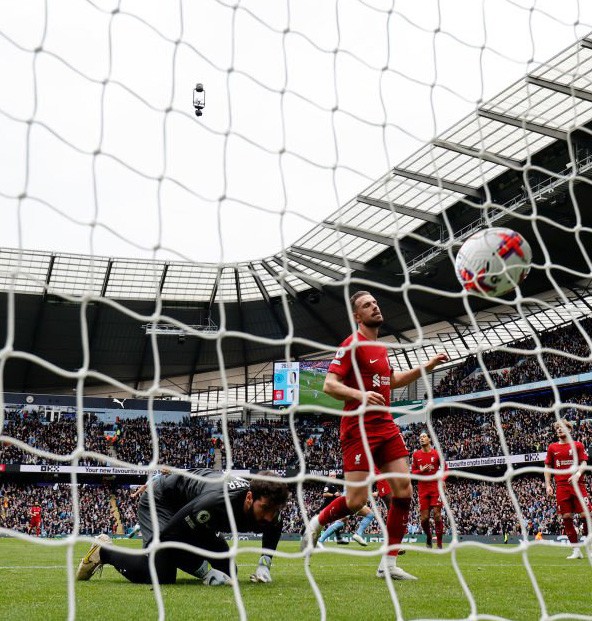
[
  {"x": 179, "y": 445},
  {"x": 461, "y": 435},
  {"x": 464, "y": 434},
  {"x": 95, "y": 512},
  {"x": 559, "y": 352},
  {"x": 58, "y": 437},
  {"x": 477, "y": 508},
  {"x": 265, "y": 445}
]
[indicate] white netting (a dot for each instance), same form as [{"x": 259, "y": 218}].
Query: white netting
[{"x": 307, "y": 104}]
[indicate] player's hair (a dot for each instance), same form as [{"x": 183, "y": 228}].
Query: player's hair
[
  {"x": 275, "y": 491},
  {"x": 355, "y": 297},
  {"x": 563, "y": 423}
]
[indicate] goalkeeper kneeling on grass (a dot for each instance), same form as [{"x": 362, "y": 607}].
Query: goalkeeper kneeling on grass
[{"x": 193, "y": 511}]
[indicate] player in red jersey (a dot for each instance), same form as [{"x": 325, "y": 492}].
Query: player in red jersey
[
  {"x": 560, "y": 457},
  {"x": 362, "y": 356},
  {"x": 35, "y": 520},
  {"x": 426, "y": 462}
]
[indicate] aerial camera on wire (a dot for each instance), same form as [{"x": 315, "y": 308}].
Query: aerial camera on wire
[{"x": 199, "y": 99}]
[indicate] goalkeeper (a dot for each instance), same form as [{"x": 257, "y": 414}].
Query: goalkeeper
[{"x": 194, "y": 512}]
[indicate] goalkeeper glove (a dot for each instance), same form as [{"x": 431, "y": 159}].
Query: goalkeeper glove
[
  {"x": 262, "y": 573},
  {"x": 216, "y": 578},
  {"x": 213, "y": 577}
]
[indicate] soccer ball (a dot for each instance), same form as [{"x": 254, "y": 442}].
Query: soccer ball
[{"x": 493, "y": 261}]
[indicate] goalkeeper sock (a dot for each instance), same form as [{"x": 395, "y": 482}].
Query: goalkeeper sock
[
  {"x": 570, "y": 530},
  {"x": 136, "y": 568},
  {"x": 439, "y": 531},
  {"x": 427, "y": 529},
  {"x": 396, "y": 522},
  {"x": 331, "y": 530},
  {"x": 364, "y": 524},
  {"x": 335, "y": 511}
]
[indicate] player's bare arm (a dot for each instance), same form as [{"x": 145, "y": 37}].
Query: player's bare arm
[
  {"x": 548, "y": 485},
  {"x": 575, "y": 477},
  {"x": 334, "y": 387},
  {"x": 403, "y": 378}
]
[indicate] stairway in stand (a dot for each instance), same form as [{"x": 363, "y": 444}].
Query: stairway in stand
[{"x": 116, "y": 515}]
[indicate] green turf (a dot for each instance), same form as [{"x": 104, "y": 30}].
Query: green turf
[
  {"x": 311, "y": 391},
  {"x": 34, "y": 586}
]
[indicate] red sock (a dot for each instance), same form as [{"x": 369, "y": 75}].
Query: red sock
[
  {"x": 427, "y": 529},
  {"x": 439, "y": 531},
  {"x": 570, "y": 531},
  {"x": 335, "y": 511},
  {"x": 396, "y": 522}
]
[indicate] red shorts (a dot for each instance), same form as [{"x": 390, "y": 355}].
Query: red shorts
[
  {"x": 429, "y": 499},
  {"x": 568, "y": 502},
  {"x": 35, "y": 521},
  {"x": 385, "y": 446},
  {"x": 383, "y": 488}
]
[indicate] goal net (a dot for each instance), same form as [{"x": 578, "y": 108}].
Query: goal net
[{"x": 191, "y": 192}]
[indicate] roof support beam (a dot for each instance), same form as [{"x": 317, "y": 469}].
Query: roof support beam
[
  {"x": 321, "y": 269},
  {"x": 559, "y": 88},
  {"x": 325, "y": 256},
  {"x": 309, "y": 280},
  {"x": 580, "y": 297},
  {"x": 399, "y": 209},
  {"x": 241, "y": 323},
  {"x": 165, "y": 269},
  {"x": 527, "y": 125},
  {"x": 272, "y": 309},
  {"x": 438, "y": 182},
  {"x": 215, "y": 289},
  {"x": 279, "y": 279},
  {"x": 459, "y": 334},
  {"x": 356, "y": 232},
  {"x": 191, "y": 373},
  {"x": 106, "y": 279},
  {"x": 486, "y": 156},
  {"x": 375, "y": 237}
]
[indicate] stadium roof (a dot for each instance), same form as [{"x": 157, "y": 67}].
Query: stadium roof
[{"x": 522, "y": 159}]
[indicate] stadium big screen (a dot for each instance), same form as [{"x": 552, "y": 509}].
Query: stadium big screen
[{"x": 302, "y": 383}]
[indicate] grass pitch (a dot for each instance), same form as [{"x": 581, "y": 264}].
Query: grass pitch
[
  {"x": 311, "y": 391},
  {"x": 34, "y": 586}
]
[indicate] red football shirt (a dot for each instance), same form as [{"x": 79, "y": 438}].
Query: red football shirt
[
  {"x": 431, "y": 459},
  {"x": 375, "y": 371},
  {"x": 35, "y": 511},
  {"x": 560, "y": 456}
]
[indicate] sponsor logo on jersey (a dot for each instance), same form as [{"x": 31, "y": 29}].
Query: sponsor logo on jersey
[
  {"x": 203, "y": 516},
  {"x": 190, "y": 522},
  {"x": 373, "y": 361},
  {"x": 376, "y": 380}
]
